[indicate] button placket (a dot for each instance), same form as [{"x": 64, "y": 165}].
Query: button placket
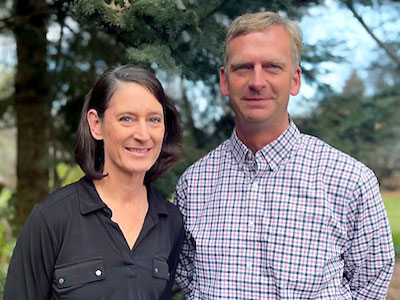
[{"x": 251, "y": 224}]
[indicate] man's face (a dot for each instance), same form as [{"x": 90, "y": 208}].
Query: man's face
[{"x": 259, "y": 78}]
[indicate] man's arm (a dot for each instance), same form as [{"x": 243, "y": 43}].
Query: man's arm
[
  {"x": 185, "y": 272},
  {"x": 369, "y": 260}
]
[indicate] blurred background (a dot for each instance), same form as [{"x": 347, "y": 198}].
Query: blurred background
[{"x": 51, "y": 53}]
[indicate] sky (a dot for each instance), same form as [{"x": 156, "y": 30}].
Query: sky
[{"x": 334, "y": 21}]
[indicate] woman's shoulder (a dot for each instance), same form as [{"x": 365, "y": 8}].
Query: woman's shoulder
[
  {"x": 163, "y": 205},
  {"x": 61, "y": 197},
  {"x": 61, "y": 206}
]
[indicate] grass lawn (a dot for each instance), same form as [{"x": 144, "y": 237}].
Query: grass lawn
[{"x": 392, "y": 204}]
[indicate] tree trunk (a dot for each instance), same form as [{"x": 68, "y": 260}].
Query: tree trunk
[{"x": 31, "y": 105}]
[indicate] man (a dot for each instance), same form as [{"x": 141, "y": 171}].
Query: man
[{"x": 272, "y": 213}]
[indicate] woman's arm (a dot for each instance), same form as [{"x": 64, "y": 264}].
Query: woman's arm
[
  {"x": 31, "y": 266},
  {"x": 173, "y": 262}
]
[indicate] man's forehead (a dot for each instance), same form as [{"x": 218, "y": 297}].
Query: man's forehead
[
  {"x": 258, "y": 49},
  {"x": 256, "y": 30}
]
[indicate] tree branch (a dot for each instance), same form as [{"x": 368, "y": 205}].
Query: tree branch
[
  {"x": 381, "y": 44},
  {"x": 6, "y": 24}
]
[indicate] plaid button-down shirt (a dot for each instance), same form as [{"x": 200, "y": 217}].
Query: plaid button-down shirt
[{"x": 297, "y": 220}]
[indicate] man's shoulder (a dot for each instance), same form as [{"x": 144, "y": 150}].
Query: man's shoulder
[
  {"x": 211, "y": 161},
  {"x": 322, "y": 153}
]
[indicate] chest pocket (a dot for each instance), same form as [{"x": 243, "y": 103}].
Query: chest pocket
[
  {"x": 160, "y": 268},
  {"x": 79, "y": 272}
]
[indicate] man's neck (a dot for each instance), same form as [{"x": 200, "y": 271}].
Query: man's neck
[{"x": 256, "y": 138}]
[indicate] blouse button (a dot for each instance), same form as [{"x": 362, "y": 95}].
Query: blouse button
[
  {"x": 61, "y": 280},
  {"x": 98, "y": 272}
]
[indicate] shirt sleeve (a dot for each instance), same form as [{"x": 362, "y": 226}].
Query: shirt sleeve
[
  {"x": 185, "y": 272},
  {"x": 31, "y": 266},
  {"x": 369, "y": 261},
  {"x": 173, "y": 262}
]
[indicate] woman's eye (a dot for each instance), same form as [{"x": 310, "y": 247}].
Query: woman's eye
[{"x": 155, "y": 120}]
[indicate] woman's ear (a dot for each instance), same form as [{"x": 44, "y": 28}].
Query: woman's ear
[{"x": 95, "y": 124}]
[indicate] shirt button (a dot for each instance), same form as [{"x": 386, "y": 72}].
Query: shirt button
[
  {"x": 61, "y": 280},
  {"x": 251, "y": 224},
  {"x": 98, "y": 272},
  {"x": 249, "y": 156},
  {"x": 156, "y": 270},
  {"x": 248, "y": 265}
]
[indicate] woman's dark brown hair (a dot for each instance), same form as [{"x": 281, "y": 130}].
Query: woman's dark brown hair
[{"x": 89, "y": 153}]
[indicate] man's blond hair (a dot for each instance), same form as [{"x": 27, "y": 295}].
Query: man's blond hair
[{"x": 263, "y": 20}]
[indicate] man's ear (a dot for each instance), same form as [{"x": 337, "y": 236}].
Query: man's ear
[
  {"x": 296, "y": 82},
  {"x": 223, "y": 81},
  {"x": 95, "y": 124}
]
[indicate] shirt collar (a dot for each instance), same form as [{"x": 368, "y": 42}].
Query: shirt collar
[
  {"x": 90, "y": 201},
  {"x": 239, "y": 150},
  {"x": 157, "y": 204},
  {"x": 273, "y": 153}
]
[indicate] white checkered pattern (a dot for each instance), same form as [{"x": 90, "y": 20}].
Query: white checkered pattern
[{"x": 297, "y": 220}]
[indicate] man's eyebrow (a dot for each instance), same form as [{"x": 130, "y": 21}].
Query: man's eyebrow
[
  {"x": 275, "y": 62},
  {"x": 241, "y": 64},
  {"x": 265, "y": 62}
]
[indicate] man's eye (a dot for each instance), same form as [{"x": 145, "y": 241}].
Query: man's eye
[
  {"x": 273, "y": 67},
  {"x": 240, "y": 68},
  {"x": 125, "y": 119}
]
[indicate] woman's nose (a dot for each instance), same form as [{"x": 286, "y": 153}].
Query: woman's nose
[{"x": 141, "y": 131}]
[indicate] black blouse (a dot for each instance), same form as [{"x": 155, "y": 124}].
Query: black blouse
[{"x": 70, "y": 248}]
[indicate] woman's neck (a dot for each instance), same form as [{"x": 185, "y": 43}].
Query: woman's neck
[{"x": 118, "y": 188}]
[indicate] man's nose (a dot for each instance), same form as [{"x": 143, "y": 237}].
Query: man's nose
[{"x": 257, "y": 79}]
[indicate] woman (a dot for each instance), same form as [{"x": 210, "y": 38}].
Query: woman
[{"x": 109, "y": 235}]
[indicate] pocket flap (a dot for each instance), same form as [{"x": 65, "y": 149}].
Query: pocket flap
[
  {"x": 160, "y": 268},
  {"x": 79, "y": 272}
]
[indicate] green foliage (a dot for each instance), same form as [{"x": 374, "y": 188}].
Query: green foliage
[
  {"x": 149, "y": 53},
  {"x": 390, "y": 183},
  {"x": 7, "y": 240},
  {"x": 6, "y": 92},
  {"x": 365, "y": 127},
  {"x": 392, "y": 204},
  {"x": 188, "y": 34},
  {"x": 69, "y": 174},
  {"x": 167, "y": 182},
  {"x": 142, "y": 26}
]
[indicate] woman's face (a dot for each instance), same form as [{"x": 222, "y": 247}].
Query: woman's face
[{"x": 132, "y": 130}]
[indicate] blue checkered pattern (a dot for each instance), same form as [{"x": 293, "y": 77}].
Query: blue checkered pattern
[{"x": 297, "y": 220}]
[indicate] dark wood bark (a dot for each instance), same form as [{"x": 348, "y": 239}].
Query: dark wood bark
[{"x": 31, "y": 104}]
